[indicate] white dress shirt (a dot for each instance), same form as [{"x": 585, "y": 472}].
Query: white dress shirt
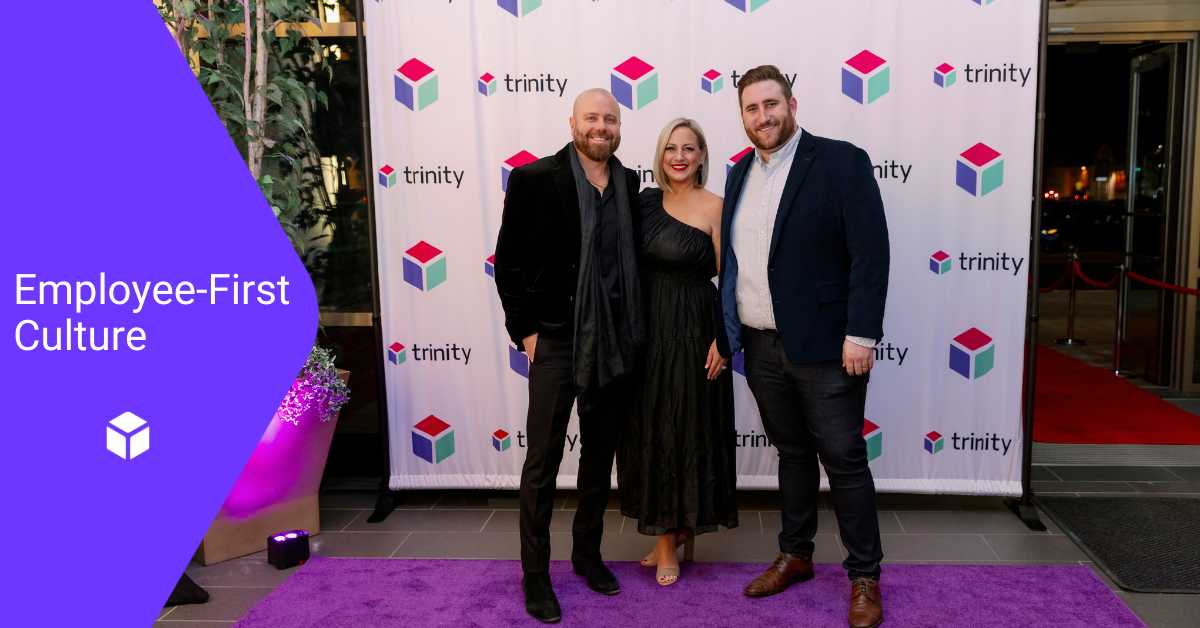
[{"x": 753, "y": 225}]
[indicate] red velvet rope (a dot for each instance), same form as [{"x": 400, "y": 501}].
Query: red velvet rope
[
  {"x": 1057, "y": 284},
  {"x": 1096, "y": 284},
  {"x": 1159, "y": 284}
]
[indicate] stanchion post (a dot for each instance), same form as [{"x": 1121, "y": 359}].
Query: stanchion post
[
  {"x": 1122, "y": 298},
  {"x": 1071, "y": 339}
]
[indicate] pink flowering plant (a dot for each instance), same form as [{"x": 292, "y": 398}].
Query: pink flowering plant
[{"x": 318, "y": 388}]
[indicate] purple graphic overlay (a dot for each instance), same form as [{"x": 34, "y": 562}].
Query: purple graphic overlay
[{"x": 162, "y": 207}]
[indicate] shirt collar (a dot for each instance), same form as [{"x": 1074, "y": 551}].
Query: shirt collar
[{"x": 782, "y": 155}]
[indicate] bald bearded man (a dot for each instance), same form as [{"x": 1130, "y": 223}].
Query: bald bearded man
[{"x": 567, "y": 272}]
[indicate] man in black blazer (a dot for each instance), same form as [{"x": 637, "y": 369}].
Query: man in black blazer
[
  {"x": 567, "y": 273},
  {"x": 804, "y": 275}
]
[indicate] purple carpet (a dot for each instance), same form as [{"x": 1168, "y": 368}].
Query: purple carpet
[{"x": 393, "y": 593}]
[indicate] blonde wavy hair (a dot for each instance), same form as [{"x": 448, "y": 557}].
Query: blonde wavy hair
[{"x": 660, "y": 175}]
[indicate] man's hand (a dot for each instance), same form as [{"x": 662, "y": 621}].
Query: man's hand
[
  {"x": 856, "y": 358},
  {"x": 530, "y": 343}
]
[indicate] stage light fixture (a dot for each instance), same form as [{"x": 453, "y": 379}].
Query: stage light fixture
[{"x": 287, "y": 549}]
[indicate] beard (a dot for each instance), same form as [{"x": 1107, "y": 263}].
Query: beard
[
  {"x": 598, "y": 154},
  {"x": 782, "y": 133}
]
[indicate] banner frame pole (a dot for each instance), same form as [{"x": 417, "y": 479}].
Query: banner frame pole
[
  {"x": 1024, "y": 508},
  {"x": 388, "y": 499}
]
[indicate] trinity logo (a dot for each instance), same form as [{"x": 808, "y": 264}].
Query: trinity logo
[
  {"x": 873, "y": 434},
  {"x": 516, "y": 161},
  {"x": 501, "y": 441},
  {"x": 424, "y": 266},
  {"x": 934, "y": 442},
  {"x": 416, "y": 85},
  {"x": 980, "y": 170},
  {"x": 943, "y": 75},
  {"x": 396, "y": 353},
  {"x": 387, "y": 176},
  {"x": 940, "y": 263},
  {"x": 736, "y": 158},
  {"x": 432, "y": 440},
  {"x": 972, "y": 354},
  {"x": 128, "y": 436},
  {"x": 517, "y": 361},
  {"x": 746, "y": 6},
  {"x": 865, "y": 77},
  {"x": 711, "y": 81},
  {"x": 487, "y": 84},
  {"x": 634, "y": 83},
  {"x": 489, "y": 266},
  {"x": 519, "y": 8}
]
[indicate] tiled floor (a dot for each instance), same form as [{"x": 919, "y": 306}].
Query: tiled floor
[{"x": 483, "y": 524}]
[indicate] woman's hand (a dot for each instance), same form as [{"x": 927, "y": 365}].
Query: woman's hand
[{"x": 715, "y": 363}]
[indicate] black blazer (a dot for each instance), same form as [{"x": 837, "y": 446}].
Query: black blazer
[
  {"x": 537, "y": 251},
  {"x": 828, "y": 262}
]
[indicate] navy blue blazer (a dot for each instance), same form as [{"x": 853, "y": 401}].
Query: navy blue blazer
[{"x": 829, "y": 257}]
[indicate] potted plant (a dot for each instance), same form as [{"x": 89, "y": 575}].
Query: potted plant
[{"x": 277, "y": 489}]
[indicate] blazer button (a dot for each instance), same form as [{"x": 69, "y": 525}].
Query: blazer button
[{"x": 573, "y": 298}]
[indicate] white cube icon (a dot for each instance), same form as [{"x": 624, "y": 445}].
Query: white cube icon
[{"x": 128, "y": 432}]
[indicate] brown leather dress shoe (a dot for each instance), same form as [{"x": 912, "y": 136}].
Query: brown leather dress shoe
[
  {"x": 786, "y": 570},
  {"x": 866, "y": 607}
]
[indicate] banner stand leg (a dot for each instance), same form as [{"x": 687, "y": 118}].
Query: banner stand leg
[
  {"x": 388, "y": 499},
  {"x": 1024, "y": 508}
]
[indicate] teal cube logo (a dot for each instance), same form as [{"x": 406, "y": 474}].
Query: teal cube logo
[
  {"x": 940, "y": 263},
  {"x": 424, "y": 266},
  {"x": 501, "y": 440},
  {"x": 387, "y": 176},
  {"x": 746, "y": 6},
  {"x": 519, "y": 8},
  {"x": 416, "y": 85},
  {"x": 865, "y": 77},
  {"x": 396, "y": 353},
  {"x": 972, "y": 354},
  {"x": 712, "y": 81},
  {"x": 943, "y": 75},
  {"x": 980, "y": 169},
  {"x": 487, "y": 84},
  {"x": 432, "y": 440},
  {"x": 634, "y": 83},
  {"x": 873, "y": 434},
  {"x": 934, "y": 442}
]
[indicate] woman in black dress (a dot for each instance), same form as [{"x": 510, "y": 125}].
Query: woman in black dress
[{"x": 676, "y": 455}]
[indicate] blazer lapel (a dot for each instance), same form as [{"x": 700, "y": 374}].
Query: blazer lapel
[
  {"x": 805, "y": 153},
  {"x": 564, "y": 180}
]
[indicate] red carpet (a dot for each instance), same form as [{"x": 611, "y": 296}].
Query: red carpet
[{"x": 1077, "y": 403}]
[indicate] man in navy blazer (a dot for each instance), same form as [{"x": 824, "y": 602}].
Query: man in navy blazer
[{"x": 804, "y": 273}]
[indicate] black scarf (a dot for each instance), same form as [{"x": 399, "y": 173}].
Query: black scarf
[{"x": 604, "y": 350}]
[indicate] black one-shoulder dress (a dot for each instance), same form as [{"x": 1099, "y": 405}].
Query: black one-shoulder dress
[{"x": 676, "y": 456}]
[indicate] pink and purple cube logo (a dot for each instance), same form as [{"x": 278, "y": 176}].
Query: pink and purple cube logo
[
  {"x": 873, "y": 434},
  {"x": 943, "y": 75},
  {"x": 424, "y": 266},
  {"x": 934, "y": 442},
  {"x": 940, "y": 263},
  {"x": 866, "y": 77},
  {"x": 972, "y": 354},
  {"x": 387, "y": 176},
  {"x": 980, "y": 170},
  {"x": 487, "y": 84},
  {"x": 519, "y": 8},
  {"x": 396, "y": 353},
  {"x": 634, "y": 83},
  {"x": 746, "y": 6},
  {"x": 416, "y": 85},
  {"x": 501, "y": 440},
  {"x": 983, "y": 3},
  {"x": 516, "y": 161},
  {"x": 517, "y": 361},
  {"x": 432, "y": 440},
  {"x": 489, "y": 266},
  {"x": 736, "y": 158},
  {"x": 712, "y": 81}
]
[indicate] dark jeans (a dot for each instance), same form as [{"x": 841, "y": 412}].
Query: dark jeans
[
  {"x": 811, "y": 411},
  {"x": 551, "y": 395}
]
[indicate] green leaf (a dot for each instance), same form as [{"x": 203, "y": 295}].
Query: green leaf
[
  {"x": 321, "y": 98},
  {"x": 209, "y": 55}
]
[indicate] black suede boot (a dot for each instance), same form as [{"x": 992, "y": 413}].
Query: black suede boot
[
  {"x": 540, "y": 601},
  {"x": 599, "y": 578}
]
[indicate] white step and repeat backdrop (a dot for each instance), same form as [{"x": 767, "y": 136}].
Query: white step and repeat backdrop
[{"x": 940, "y": 93}]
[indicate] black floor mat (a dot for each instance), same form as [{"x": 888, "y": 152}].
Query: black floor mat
[{"x": 1149, "y": 544}]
